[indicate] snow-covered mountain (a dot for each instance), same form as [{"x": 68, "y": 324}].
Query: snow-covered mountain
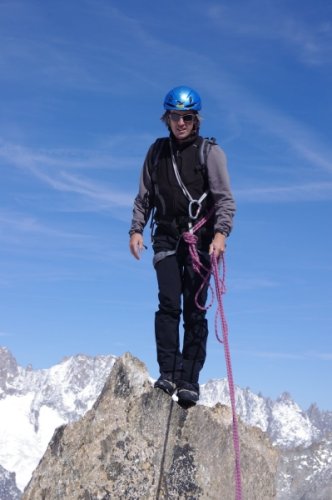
[
  {"x": 34, "y": 402},
  {"x": 286, "y": 423},
  {"x": 8, "y": 488},
  {"x": 304, "y": 438},
  {"x": 306, "y": 473}
]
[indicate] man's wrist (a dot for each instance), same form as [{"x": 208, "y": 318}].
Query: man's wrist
[
  {"x": 219, "y": 233},
  {"x": 134, "y": 231}
]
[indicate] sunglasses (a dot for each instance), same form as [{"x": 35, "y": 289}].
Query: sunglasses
[{"x": 175, "y": 117}]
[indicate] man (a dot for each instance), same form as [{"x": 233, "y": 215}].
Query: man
[{"x": 180, "y": 186}]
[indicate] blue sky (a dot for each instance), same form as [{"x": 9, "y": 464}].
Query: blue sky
[{"x": 82, "y": 85}]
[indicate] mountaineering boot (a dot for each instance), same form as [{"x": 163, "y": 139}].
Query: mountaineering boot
[
  {"x": 188, "y": 393},
  {"x": 165, "y": 383}
]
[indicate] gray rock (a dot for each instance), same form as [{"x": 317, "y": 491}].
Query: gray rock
[
  {"x": 8, "y": 487},
  {"x": 138, "y": 443},
  {"x": 8, "y": 371}
]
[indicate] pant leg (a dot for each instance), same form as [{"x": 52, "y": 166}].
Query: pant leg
[
  {"x": 195, "y": 323},
  {"x": 167, "y": 318}
]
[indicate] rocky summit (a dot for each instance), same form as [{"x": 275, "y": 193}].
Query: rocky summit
[{"x": 137, "y": 443}]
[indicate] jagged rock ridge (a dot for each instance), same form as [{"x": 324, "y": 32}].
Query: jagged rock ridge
[
  {"x": 136, "y": 442},
  {"x": 34, "y": 402}
]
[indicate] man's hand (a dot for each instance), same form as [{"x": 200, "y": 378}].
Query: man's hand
[
  {"x": 136, "y": 245},
  {"x": 218, "y": 244}
]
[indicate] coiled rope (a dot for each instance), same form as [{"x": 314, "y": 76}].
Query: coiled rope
[{"x": 219, "y": 280}]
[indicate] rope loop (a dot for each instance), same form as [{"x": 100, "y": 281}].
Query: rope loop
[
  {"x": 204, "y": 272},
  {"x": 219, "y": 289}
]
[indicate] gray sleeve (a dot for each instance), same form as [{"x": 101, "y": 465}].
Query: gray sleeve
[
  {"x": 143, "y": 201},
  {"x": 220, "y": 189}
]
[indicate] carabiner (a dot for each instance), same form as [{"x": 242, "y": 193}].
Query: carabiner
[{"x": 190, "y": 209}]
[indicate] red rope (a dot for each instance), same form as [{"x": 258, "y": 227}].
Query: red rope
[
  {"x": 191, "y": 239},
  {"x": 220, "y": 290}
]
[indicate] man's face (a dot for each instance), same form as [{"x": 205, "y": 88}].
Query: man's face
[{"x": 181, "y": 123}]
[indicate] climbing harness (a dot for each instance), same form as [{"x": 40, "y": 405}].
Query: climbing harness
[
  {"x": 219, "y": 280},
  {"x": 194, "y": 205}
]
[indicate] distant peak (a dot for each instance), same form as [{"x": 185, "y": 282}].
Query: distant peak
[
  {"x": 7, "y": 360},
  {"x": 8, "y": 367},
  {"x": 285, "y": 396}
]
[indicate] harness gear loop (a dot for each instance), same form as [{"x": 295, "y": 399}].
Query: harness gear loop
[{"x": 220, "y": 288}]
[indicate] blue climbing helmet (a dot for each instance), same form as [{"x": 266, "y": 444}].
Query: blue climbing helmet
[{"x": 182, "y": 98}]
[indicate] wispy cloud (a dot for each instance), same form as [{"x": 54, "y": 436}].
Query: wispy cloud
[
  {"x": 312, "y": 43},
  {"x": 310, "y": 40},
  {"x": 297, "y": 135},
  {"x": 67, "y": 183},
  {"x": 64, "y": 62},
  {"x": 47, "y": 250},
  {"x": 252, "y": 283},
  {"x": 52, "y": 168},
  {"x": 75, "y": 60},
  {"x": 246, "y": 109},
  {"x": 318, "y": 191},
  {"x": 300, "y": 356},
  {"x": 73, "y": 159},
  {"x": 21, "y": 223},
  {"x": 5, "y": 334},
  {"x": 57, "y": 174},
  {"x": 274, "y": 22}
]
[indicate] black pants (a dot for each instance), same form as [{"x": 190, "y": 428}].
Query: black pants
[{"x": 178, "y": 285}]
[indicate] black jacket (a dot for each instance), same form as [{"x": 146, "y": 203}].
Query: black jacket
[{"x": 160, "y": 189}]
